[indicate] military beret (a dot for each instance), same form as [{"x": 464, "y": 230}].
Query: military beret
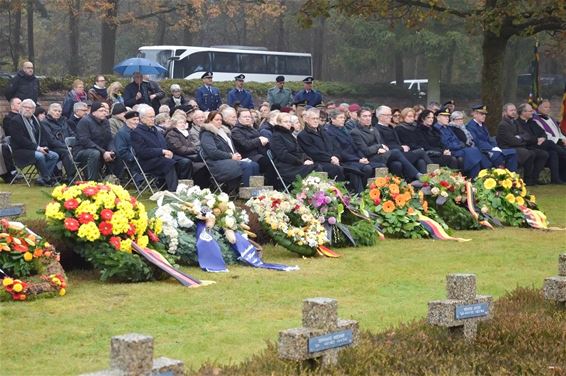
[
  {"x": 240, "y": 77},
  {"x": 451, "y": 101},
  {"x": 280, "y": 79},
  {"x": 308, "y": 80},
  {"x": 480, "y": 108},
  {"x": 206, "y": 75}
]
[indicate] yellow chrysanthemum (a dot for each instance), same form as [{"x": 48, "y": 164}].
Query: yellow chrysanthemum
[
  {"x": 87, "y": 207},
  {"x": 53, "y": 210},
  {"x": 510, "y": 198},
  {"x": 519, "y": 200},
  {"x": 489, "y": 183},
  {"x": 62, "y": 292},
  {"x": 500, "y": 171},
  {"x": 507, "y": 184},
  {"x": 120, "y": 223},
  {"x": 143, "y": 241},
  {"x": 18, "y": 287},
  {"x": 523, "y": 191},
  {"x": 533, "y": 199},
  {"x": 7, "y": 281},
  {"x": 89, "y": 232},
  {"x": 126, "y": 245},
  {"x": 28, "y": 256},
  {"x": 483, "y": 173},
  {"x": 58, "y": 192}
]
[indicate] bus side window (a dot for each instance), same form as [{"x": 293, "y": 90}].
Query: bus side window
[
  {"x": 298, "y": 65},
  {"x": 275, "y": 64},
  {"x": 252, "y": 63},
  {"x": 224, "y": 62},
  {"x": 196, "y": 62}
]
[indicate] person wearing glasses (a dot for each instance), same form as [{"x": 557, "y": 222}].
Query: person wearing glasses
[
  {"x": 24, "y": 85},
  {"x": 98, "y": 92}
]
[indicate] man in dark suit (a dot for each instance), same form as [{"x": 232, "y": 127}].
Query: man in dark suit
[
  {"x": 30, "y": 142},
  {"x": 25, "y": 85},
  {"x": 151, "y": 150},
  {"x": 141, "y": 91}
]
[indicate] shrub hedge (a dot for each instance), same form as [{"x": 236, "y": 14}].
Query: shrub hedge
[{"x": 525, "y": 336}]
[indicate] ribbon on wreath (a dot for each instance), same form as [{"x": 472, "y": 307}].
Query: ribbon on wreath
[
  {"x": 359, "y": 215},
  {"x": 208, "y": 251},
  {"x": 435, "y": 229},
  {"x": 161, "y": 262},
  {"x": 248, "y": 253},
  {"x": 537, "y": 219},
  {"x": 484, "y": 219}
]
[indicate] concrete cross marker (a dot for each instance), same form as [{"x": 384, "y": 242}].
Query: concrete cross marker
[
  {"x": 10, "y": 210},
  {"x": 555, "y": 287},
  {"x": 381, "y": 172},
  {"x": 256, "y": 186},
  {"x": 432, "y": 167},
  {"x": 322, "y": 335},
  {"x": 188, "y": 182},
  {"x": 132, "y": 355},
  {"x": 463, "y": 309}
]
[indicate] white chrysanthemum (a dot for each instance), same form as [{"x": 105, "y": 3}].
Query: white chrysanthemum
[{"x": 183, "y": 220}]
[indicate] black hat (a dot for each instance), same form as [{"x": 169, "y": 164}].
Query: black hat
[
  {"x": 300, "y": 103},
  {"x": 206, "y": 75},
  {"x": 280, "y": 79},
  {"x": 118, "y": 108},
  {"x": 451, "y": 101},
  {"x": 308, "y": 80},
  {"x": 240, "y": 77},
  {"x": 95, "y": 106},
  {"x": 131, "y": 114},
  {"x": 443, "y": 111},
  {"x": 480, "y": 108}
]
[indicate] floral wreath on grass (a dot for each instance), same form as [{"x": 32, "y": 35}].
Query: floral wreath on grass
[
  {"x": 336, "y": 211},
  {"x": 397, "y": 210},
  {"x": 452, "y": 197},
  {"x": 102, "y": 220},
  {"x": 29, "y": 265},
  {"x": 289, "y": 222},
  {"x": 179, "y": 212},
  {"x": 506, "y": 195}
]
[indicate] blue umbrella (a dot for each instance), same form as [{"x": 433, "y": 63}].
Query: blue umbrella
[{"x": 138, "y": 64}]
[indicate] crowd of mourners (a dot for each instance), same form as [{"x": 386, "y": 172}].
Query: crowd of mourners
[{"x": 139, "y": 129}]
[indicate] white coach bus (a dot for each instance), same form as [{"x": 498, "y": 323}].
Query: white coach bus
[{"x": 257, "y": 63}]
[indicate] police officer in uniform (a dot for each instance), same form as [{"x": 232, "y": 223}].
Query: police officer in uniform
[
  {"x": 279, "y": 95},
  {"x": 239, "y": 96},
  {"x": 313, "y": 97},
  {"x": 208, "y": 96}
]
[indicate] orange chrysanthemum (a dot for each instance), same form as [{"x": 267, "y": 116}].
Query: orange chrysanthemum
[
  {"x": 388, "y": 206},
  {"x": 425, "y": 206},
  {"x": 393, "y": 189},
  {"x": 375, "y": 194},
  {"x": 400, "y": 201},
  {"x": 380, "y": 182}
]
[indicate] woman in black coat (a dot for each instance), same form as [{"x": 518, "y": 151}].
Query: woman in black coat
[
  {"x": 179, "y": 141},
  {"x": 226, "y": 165},
  {"x": 248, "y": 142},
  {"x": 287, "y": 154}
]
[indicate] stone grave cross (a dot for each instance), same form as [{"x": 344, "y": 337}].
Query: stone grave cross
[
  {"x": 7, "y": 209},
  {"x": 322, "y": 335},
  {"x": 256, "y": 186},
  {"x": 555, "y": 287},
  {"x": 463, "y": 309},
  {"x": 132, "y": 355}
]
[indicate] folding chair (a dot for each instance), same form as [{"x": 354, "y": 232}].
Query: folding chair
[
  {"x": 27, "y": 172},
  {"x": 70, "y": 143},
  {"x": 285, "y": 186},
  {"x": 218, "y": 185},
  {"x": 149, "y": 181}
]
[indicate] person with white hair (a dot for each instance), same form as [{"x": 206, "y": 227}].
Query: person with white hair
[
  {"x": 177, "y": 99},
  {"x": 30, "y": 142},
  {"x": 57, "y": 126}
]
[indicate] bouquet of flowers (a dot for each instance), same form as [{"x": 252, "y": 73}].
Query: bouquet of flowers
[
  {"x": 446, "y": 191},
  {"x": 506, "y": 195},
  {"x": 26, "y": 260},
  {"x": 180, "y": 211},
  {"x": 335, "y": 210},
  {"x": 397, "y": 210},
  {"x": 102, "y": 220},
  {"x": 289, "y": 222}
]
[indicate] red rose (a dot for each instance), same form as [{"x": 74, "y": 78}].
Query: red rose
[
  {"x": 377, "y": 201},
  {"x": 90, "y": 191},
  {"x": 106, "y": 214},
  {"x": 71, "y": 204},
  {"x": 444, "y": 183},
  {"x": 152, "y": 237},
  {"x": 131, "y": 230},
  {"x": 85, "y": 218},
  {"x": 115, "y": 242},
  {"x": 105, "y": 228},
  {"x": 71, "y": 224}
]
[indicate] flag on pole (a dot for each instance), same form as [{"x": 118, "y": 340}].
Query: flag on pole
[{"x": 534, "y": 95}]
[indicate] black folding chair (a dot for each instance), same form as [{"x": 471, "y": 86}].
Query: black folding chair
[
  {"x": 218, "y": 188},
  {"x": 149, "y": 181},
  {"x": 70, "y": 143},
  {"x": 27, "y": 172},
  {"x": 285, "y": 186}
]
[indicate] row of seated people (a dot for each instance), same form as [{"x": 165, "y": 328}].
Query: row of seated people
[{"x": 233, "y": 155}]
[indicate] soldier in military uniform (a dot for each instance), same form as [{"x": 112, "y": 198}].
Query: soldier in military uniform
[
  {"x": 278, "y": 95},
  {"x": 238, "y": 96},
  {"x": 208, "y": 96},
  {"x": 313, "y": 97}
]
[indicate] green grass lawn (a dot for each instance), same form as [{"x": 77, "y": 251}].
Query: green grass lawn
[{"x": 227, "y": 322}]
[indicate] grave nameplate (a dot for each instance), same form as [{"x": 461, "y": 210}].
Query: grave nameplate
[
  {"x": 471, "y": 310},
  {"x": 11, "y": 211},
  {"x": 330, "y": 341}
]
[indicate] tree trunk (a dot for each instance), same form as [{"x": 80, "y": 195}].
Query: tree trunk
[
  {"x": 31, "y": 49},
  {"x": 74, "y": 18},
  {"x": 493, "y": 51},
  {"x": 511, "y": 69},
  {"x": 399, "y": 76},
  {"x": 15, "y": 32},
  {"x": 281, "y": 34},
  {"x": 109, "y": 28},
  {"x": 318, "y": 48},
  {"x": 433, "y": 68},
  {"x": 160, "y": 33},
  {"x": 447, "y": 78}
]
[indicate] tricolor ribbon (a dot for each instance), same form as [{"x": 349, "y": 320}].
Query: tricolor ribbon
[
  {"x": 483, "y": 218},
  {"x": 161, "y": 262},
  {"x": 325, "y": 251},
  {"x": 537, "y": 219},
  {"x": 247, "y": 253},
  {"x": 435, "y": 229}
]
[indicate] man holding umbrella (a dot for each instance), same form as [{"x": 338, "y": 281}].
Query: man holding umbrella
[{"x": 140, "y": 91}]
